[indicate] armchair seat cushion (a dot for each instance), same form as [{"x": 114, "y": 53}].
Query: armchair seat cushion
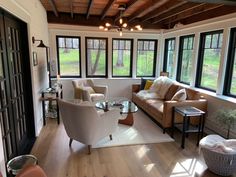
[{"x": 97, "y": 96}]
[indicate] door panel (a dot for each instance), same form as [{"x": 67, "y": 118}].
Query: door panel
[{"x": 16, "y": 111}]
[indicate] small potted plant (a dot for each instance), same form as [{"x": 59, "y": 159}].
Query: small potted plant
[{"x": 227, "y": 118}]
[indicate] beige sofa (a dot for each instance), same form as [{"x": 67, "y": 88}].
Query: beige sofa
[{"x": 161, "y": 110}]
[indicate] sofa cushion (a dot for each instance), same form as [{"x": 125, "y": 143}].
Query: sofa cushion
[
  {"x": 192, "y": 94},
  {"x": 156, "y": 104},
  {"x": 172, "y": 90},
  {"x": 148, "y": 84},
  {"x": 180, "y": 95},
  {"x": 97, "y": 96}
]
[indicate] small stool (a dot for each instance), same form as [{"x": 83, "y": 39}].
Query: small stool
[
  {"x": 17, "y": 163},
  {"x": 188, "y": 112}
]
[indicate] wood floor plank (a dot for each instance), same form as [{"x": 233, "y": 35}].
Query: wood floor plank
[{"x": 152, "y": 160}]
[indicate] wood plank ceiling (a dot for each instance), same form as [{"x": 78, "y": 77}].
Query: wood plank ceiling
[{"x": 151, "y": 14}]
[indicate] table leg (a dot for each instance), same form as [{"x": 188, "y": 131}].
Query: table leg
[
  {"x": 58, "y": 114},
  {"x": 43, "y": 108},
  {"x": 199, "y": 129},
  {"x": 129, "y": 120},
  {"x": 183, "y": 133},
  {"x": 173, "y": 123},
  {"x": 203, "y": 124}
]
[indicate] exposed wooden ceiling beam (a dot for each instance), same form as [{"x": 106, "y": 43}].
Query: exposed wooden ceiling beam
[
  {"x": 108, "y": 6},
  {"x": 191, "y": 12},
  {"x": 223, "y": 10},
  {"x": 162, "y": 9},
  {"x": 54, "y": 8},
  {"x": 175, "y": 11},
  {"x": 128, "y": 5},
  {"x": 80, "y": 19},
  {"x": 89, "y": 8},
  {"x": 145, "y": 8},
  {"x": 71, "y": 9}
]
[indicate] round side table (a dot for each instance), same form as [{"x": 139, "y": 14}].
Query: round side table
[{"x": 17, "y": 163}]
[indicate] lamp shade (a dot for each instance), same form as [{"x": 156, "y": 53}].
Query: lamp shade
[{"x": 42, "y": 45}]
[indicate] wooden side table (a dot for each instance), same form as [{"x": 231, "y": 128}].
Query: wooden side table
[
  {"x": 54, "y": 93},
  {"x": 188, "y": 112}
]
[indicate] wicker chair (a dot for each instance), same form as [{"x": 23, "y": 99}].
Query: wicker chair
[{"x": 220, "y": 163}]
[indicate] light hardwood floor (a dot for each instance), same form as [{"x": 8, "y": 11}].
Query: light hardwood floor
[{"x": 152, "y": 160}]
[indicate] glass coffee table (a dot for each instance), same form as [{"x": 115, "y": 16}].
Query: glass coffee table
[{"x": 126, "y": 107}]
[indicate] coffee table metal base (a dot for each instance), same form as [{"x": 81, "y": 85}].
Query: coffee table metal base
[{"x": 129, "y": 120}]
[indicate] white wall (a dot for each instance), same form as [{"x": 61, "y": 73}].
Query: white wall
[{"x": 33, "y": 13}]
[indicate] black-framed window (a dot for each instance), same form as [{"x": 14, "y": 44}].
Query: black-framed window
[
  {"x": 68, "y": 54},
  {"x": 169, "y": 54},
  {"x": 146, "y": 58},
  {"x": 122, "y": 57},
  {"x": 184, "y": 69},
  {"x": 230, "y": 75},
  {"x": 209, "y": 60},
  {"x": 96, "y": 56}
]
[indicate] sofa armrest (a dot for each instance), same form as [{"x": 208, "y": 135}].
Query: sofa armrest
[
  {"x": 169, "y": 105},
  {"x": 101, "y": 89},
  {"x": 136, "y": 88}
]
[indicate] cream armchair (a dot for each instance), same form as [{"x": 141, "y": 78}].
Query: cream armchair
[
  {"x": 83, "y": 123},
  {"x": 85, "y": 90}
]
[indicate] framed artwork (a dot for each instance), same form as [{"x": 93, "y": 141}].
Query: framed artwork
[{"x": 35, "y": 60}]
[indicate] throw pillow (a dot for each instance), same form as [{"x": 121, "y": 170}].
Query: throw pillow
[
  {"x": 143, "y": 82},
  {"x": 148, "y": 84},
  {"x": 180, "y": 95}
]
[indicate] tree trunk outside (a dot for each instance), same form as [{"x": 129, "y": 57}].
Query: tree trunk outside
[{"x": 120, "y": 62}]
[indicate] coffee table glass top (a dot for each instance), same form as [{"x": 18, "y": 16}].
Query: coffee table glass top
[{"x": 126, "y": 106}]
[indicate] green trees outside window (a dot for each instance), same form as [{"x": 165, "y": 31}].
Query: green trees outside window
[
  {"x": 209, "y": 59},
  {"x": 68, "y": 51},
  {"x": 185, "y": 59},
  {"x": 146, "y": 58},
  {"x": 96, "y": 57},
  {"x": 230, "y": 75},
  {"x": 169, "y": 56},
  {"x": 122, "y": 57}
]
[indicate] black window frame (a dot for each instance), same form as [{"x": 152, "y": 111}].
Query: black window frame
[
  {"x": 154, "y": 57},
  {"x": 180, "y": 56},
  {"x": 131, "y": 58},
  {"x": 58, "y": 56},
  {"x": 166, "y": 52},
  {"x": 230, "y": 64},
  {"x": 86, "y": 57},
  {"x": 200, "y": 58}
]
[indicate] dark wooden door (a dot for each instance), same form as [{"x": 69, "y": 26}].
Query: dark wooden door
[{"x": 16, "y": 116}]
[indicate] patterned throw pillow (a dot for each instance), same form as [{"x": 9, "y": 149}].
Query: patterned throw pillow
[{"x": 180, "y": 95}]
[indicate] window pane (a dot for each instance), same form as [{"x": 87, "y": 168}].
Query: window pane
[
  {"x": 210, "y": 61},
  {"x": 208, "y": 41},
  {"x": 169, "y": 57},
  {"x": 121, "y": 58},
  {"x": 186, "y": 59},
  {"x": 233, "y": 82},
  {"x": 96, "y": 57},
  {"x": 146, "y": 59},
  {"x": 69, "y": 56}
]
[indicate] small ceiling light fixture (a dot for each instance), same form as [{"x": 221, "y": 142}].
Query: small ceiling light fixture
[{"x": 121, "y": 25}]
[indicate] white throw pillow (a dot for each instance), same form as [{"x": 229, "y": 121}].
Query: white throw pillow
[
  {"x": 180, "y": 95},
  {"x": 161, "y": 86}
]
